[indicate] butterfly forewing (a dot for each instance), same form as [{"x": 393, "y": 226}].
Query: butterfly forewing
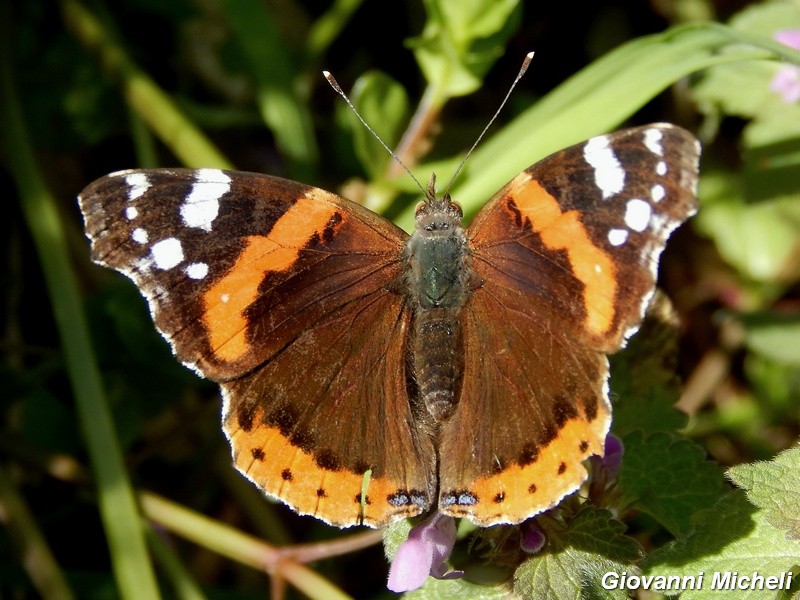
[{"x": 583, "y": 229}]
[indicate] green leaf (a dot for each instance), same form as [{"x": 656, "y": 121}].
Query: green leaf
[
  {"x": 394, "y": 535},
  {"x": 446, "y": 589},
  {"x": 732, "y": 536},
  {"x": 757, "y": 239},
  {"x": 669, "y": 478},
  {"x": 384, "y": 105},
  {"x": 576, "y": 559},
  {"x": 274, "y": 70},
  {"x": 774, "y": 336},
  {"x": 461, "y": 40},
  {"x": 644, "y": 383},
  {"x": 776, "y": 386},
  {"x": 774, "y": 486}
]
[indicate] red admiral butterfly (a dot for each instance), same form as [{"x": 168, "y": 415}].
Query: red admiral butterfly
[{"x": 369, "y": 375}]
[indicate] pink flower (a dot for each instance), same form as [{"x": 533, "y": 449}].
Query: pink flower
[
  {"x": 787, "y": 80},
  {"x": 789, "y": 37},
  {"x": 424, "y": 553}
]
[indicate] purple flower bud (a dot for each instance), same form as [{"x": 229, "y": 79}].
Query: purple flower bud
[
  {"x": 612, "y": 460},
  {"x": 531, "y": 537}
]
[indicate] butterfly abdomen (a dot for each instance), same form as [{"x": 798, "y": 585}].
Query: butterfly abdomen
[
  {"x": 437, "y": 364},
  {"x": 438, "y": 278}
]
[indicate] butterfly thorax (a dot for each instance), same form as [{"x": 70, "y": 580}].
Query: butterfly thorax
[{"x": 437, "y": 280}]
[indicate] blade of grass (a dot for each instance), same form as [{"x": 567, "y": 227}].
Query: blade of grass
[
  {"x": 35, "y": 554},
  {"x": 328, "y": 27},
  {"x": 595, "y": 100},
  {"x": 149, "y": 101},
  {"x": 129, "y": 558},
  {"x": 183, "y": 585}
]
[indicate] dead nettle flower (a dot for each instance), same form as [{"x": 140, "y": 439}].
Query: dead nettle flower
[
  {"x": 787, "y": 80},
  {"x": 531, "y": 537},
  {"x": 424, "y": 553},
  {"x": 606, "y": 468},
  {"x": 612, "y": 458}
]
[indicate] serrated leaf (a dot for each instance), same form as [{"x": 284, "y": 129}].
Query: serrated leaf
[
  {"x": 576, "y": 560},
  {"x": 394, "y": 535},
  {"x": 446, "y": 589},
  {"x": 461, "y": 40},
  {"x": 384, "y": 105},
  {"x": 774, "y": 486},
  {"x": 732, "y": 536},
  {"x": 644, "y": 384},
  {"x": 669, "y": 478}
]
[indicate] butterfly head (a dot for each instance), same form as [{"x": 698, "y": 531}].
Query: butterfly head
[{"x": 437, "y": 214}]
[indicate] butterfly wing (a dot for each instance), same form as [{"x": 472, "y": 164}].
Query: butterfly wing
[
  {"x": 288, "y": 297},
  {"x": 565, "y": 257}
]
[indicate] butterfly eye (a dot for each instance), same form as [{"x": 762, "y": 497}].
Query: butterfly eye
[{"x": 437, "y": 226}]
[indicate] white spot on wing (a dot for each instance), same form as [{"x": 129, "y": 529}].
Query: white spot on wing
[
  {"x": 657, "y": 192},
  {"x": 139, "y": 236},
  {"x": 197, "y": 270},
  {"x": 224, "y": 298},
  {"x": 167, "y": 253},
  {"x": 608, "y": 172},
  {"x": 138, "y": 184},
  {"x": 652, "y": 139},
  {"x": 661, "y": 168},
  {"x": 201, "y": 206},
  {"x": 617, "y": 237},
  {"x": 131, "y": 212},
  {"x": 637, "y": 214}
]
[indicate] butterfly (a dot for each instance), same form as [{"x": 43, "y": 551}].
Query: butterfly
[{"x": 368, "y": 375}]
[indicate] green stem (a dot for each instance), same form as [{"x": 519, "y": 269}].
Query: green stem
[{"x": 238, "y": 546}]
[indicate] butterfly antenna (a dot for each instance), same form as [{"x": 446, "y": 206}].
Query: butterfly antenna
[
  {"x": 335, "y": 85},
  {"x": 525, "y": 64}
]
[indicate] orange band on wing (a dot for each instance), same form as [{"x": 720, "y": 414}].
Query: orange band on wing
[
  {"x": 519, "y": 492},
  {"x": 564, "y": 231},
  {"x": 284, "y": 471},
  {"x": 228, "y": 298}
]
